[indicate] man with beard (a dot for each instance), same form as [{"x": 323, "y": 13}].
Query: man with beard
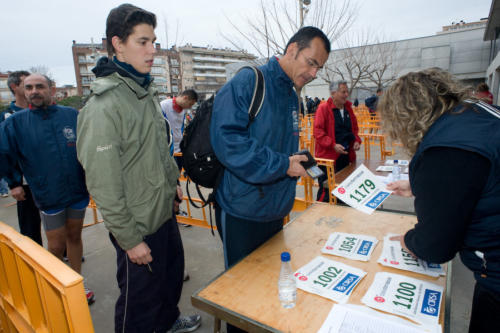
[
  {"x": 27, "y": 212},
  {"x": 42, "y": 140}
]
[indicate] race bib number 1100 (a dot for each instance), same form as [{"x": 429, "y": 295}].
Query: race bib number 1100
[
  {"x": 362, "y": 190},
  {"x": 415, "y": 299}
]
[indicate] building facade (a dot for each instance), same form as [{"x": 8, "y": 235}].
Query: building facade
[
  {"x": 85, "y": 57},
  {"x": 459, "y": 48},
  {"x": 492, "y": 36},
  {"x": 204, "y": 68},
  {"x": 174, "y": 70},
  {"x": 5, "y": 94}
]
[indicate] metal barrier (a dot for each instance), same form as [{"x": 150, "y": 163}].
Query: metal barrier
[{"x": 38, "y": 292}]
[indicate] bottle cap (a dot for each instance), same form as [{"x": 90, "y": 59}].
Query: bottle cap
[
  {"x": 285, "y": 256},
  {"x": 395, "y": 161}
]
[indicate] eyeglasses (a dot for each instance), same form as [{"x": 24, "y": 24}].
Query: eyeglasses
[{"x": 311, "y": 62}]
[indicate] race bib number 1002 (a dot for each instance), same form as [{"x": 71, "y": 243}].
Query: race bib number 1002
[
  {"x": 328, "y": 278},
  {"x": 362, "y": 190}
]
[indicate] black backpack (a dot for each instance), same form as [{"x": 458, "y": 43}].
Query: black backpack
[{"x": 199, "y": 160}]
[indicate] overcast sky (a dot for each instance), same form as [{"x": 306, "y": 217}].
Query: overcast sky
[{"x": 41, "y": 32}]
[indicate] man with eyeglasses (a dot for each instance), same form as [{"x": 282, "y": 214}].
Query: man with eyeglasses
[{"x": 257, "y": 189}]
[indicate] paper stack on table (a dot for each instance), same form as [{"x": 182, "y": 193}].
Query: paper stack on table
[
  {"x": 351, "y": 246},
  {"x": 350, "y": 318},
  {"x": 408, "y": 297},
  {"x": 400, "y": 162},
  {"x": 393, "y": 255},
  {"x": 388, "y": 168},
  {"x": 328, "y": 278}
]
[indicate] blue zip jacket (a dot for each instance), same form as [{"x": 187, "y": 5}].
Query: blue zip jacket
[
  {"x": 255, "y": 185},
  {"x": 43, "y": 142}
]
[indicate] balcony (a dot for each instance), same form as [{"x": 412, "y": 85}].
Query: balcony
[
  {"x": 209, "y": 74},
  {"x": 210, "y": 59},
  {"x": 217, "y": 68}
]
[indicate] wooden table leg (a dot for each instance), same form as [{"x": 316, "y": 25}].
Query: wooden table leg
[{"x": 217, "y": 324}]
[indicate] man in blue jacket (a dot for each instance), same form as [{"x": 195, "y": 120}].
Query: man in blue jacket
[
  {"x": 257, "y": 189},
  {"x": 42, "y": 140},
  {"x": 27, "y": 212}
]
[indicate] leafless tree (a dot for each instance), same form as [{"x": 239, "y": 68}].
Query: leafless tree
[
  {"x": 364, "y": 61},
  {"x": 269, "y": 32},
  {"x": 42, "y": 69},
  {"x": 387, "y": 62},
  {"x": 348, "y": 63}
]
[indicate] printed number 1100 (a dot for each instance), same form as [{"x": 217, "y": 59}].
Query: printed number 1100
[{"x": 367, "y": 186}]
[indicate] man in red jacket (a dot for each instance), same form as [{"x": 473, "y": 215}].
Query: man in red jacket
[{"x": 336, "y": 132}]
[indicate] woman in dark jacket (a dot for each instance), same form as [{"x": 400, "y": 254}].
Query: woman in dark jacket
[{"x": 455, "y": 178}]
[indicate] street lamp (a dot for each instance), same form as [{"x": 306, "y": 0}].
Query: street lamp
[{"x": 302, "y": 6}]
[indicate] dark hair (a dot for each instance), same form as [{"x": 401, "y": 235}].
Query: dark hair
[
  {"x": 122, "y": 20},
  {"x": 191, "y": 94},
  {"x": 482, "y": 87},
  {"x": 380, "y": 90},
  {"x": 305, "y": 35},
  {"x": 15, "y": 77}
]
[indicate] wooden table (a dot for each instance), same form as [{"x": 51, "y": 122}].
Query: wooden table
[{"x": 247, "y": 294}]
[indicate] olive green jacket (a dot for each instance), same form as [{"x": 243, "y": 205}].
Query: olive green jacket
[{"x": 123, "y": 145}]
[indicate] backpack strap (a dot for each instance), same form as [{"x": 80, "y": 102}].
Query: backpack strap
[{"x": 259, "y": 92}]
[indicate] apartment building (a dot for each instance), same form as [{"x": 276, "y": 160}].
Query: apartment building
[
  {"x": 85, "y": 57},
  {"x": 204, "y": 68},
  {"x": 174, "y": 70},
  {"x": 5, "y": 95}
]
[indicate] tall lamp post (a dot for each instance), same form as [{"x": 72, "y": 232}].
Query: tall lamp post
[{"x": 303, "y": 8}]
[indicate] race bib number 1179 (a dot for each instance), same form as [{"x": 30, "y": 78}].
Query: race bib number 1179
[{"x": 362, "y": 190}]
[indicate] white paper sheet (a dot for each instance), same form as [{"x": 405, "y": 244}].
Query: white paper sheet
[
  {"x": 417, "y": 300},
  {"x": 362, "y": 190},
  {"x": 351, "y": 246},
  {"x": 328, "y": 278},
  {"x": 350, "y": 318},
  {"x": 393, "y": 255}
]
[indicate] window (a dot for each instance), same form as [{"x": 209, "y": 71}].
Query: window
[
  {"x": 5, "y": 95},
  {"x": 3, "y": 84},
  {"x": 175, "y": 89},
  {"x": 157, "y": 70},
  {"x": 158, "y": 61}
]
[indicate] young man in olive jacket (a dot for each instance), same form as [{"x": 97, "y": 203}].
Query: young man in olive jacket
[{"x": 124, "y": 147}]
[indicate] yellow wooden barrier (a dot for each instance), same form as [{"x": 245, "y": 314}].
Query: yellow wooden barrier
[
  {"x": 93, "y": 206},
  {"x": 38, "y": 292}
]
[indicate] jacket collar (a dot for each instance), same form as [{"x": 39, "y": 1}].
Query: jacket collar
[
  {"x": 14, "y": 107},
  {"x": 279, "y": 73},
  {"x": 347, "y": 105},
  {"x": 49, "y": 109}
]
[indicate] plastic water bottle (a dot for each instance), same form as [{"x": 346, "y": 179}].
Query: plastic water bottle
[
  {"x": 287, "y": 288},
  {"x": 396, "y": 171}
]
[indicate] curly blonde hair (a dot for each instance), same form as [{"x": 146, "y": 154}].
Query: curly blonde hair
[{"x": 415, "y": 101}]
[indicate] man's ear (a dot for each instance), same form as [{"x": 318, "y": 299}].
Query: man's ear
[
  {"x": 53, "y": 91},
  {"x": 117, "y": 44},
  {"x": 13, "y": 86},
  {"x": 292, "y": 50}
]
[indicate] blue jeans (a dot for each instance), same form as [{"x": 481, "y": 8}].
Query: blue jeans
[{"x": 4, "y": 189}]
